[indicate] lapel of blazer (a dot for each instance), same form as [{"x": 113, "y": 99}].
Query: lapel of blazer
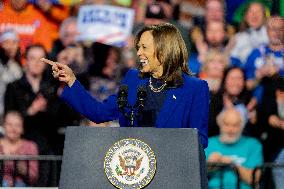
[{"x": 174, "y": 97}]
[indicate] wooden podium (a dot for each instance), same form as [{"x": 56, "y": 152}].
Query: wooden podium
[{"x": 180, "y": 161}]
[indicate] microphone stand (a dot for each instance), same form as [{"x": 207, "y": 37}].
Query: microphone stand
[
  {"x": 132, "y": 114},
  {"x": 135, "y": 110},
  {"x": 132, "y": 117}
]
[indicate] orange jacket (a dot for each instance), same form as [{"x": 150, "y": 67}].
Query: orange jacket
[
  {"x": 56, "y": 15},
  {"x": 30, "y": 24}
]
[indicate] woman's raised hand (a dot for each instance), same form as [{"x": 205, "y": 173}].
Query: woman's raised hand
[{"x": 61, "y": 72}]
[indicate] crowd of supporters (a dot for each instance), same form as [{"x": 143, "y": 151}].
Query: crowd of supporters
[{"x": 236, "y": 46}]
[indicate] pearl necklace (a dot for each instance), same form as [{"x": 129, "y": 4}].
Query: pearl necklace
[{"x": 156, "y": 90}]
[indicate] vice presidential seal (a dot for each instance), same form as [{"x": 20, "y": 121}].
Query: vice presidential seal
[{"x": 130, "y": 163}]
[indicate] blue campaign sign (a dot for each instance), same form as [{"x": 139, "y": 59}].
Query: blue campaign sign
[
  {"x": 106, "y": 24},
  {"x": 105, "y": 16}
]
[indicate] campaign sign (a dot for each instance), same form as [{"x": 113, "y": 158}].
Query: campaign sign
[{"x": 105, "y": 24}]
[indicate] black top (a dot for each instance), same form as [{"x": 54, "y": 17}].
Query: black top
[{"x": 153, "y": 104}]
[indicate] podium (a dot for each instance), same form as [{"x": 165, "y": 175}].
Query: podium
[{"x": 180, "y": 160}]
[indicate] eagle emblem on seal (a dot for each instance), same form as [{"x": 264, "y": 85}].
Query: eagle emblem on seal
[{"x": 130, "y": 163}]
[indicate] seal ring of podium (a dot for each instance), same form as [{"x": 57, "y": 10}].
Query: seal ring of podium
[{"x": 130, "y": 163}]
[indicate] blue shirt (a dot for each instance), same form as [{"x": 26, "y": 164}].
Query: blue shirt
[
  {"x": 261, "y": 56},
  {"x": 246, "y": 152}
]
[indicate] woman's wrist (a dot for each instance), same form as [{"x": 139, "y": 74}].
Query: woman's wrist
[{"x": 71, "y": 81}]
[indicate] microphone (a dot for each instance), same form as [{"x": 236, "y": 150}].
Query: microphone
[
  {"x": 141, "y": 97},
  {"x": 122, "y": 96},
  {"x": 133, "y": 111}
]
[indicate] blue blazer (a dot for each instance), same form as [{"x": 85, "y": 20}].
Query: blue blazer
[{"x": 185, "y": 107}]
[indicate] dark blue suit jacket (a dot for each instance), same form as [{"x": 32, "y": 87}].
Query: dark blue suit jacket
[{"x": 185, "y": 107}]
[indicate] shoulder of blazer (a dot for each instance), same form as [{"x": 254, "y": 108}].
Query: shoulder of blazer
[{"x": 191, "y": 81}]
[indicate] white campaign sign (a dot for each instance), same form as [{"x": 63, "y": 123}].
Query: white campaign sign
[{"x": 106, "y": 24}]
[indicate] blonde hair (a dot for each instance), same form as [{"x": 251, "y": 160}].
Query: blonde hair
[{"x": 211, "y": 55}]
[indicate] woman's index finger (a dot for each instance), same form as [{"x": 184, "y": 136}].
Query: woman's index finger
[{"x": 48, "y": 61}]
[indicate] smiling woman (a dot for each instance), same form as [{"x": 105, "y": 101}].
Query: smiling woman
[
  {"x": 161, "y": 49},
  {"x": 146, "y": 53},
  {"x": 175, "y": 99}
]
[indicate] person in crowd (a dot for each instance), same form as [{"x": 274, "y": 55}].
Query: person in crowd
[
  {"x": 12, "y": 143},
  {"x": 231, "y": 147},
  {"x": 274, "y": 118},
  {"x": 214, "y": 12},
  {"x": 214, "y": 39},
  {"x": 215, "y": 36},
  {"x": 54, "y": 13},
  {"x": 10, "y": 66},
  {"x": 27, "y": 21},
  {"x": 34, "y": 95},
  {"x": 67, "y": 36},
  {"x": 175, "y": 99},
  {"x": 73, "y": 57},
  {"x": 253, "y": 33},
  {"x": 232, "y": 92},
  {"x": 213, "y": 69},
  {"x": 264, "y": 67},
  {"x": 76, "y": 57},
  {"x": 267, "y": 60},
  {"x": 108, "y": 74}
]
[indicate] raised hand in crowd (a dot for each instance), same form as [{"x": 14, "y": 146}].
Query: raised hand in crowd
[
  {"x": 38, "y": 105},
  {"x": 274, "y": 121}
]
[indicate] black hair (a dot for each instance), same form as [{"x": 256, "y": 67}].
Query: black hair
[{"x": 36, "y": 45}]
